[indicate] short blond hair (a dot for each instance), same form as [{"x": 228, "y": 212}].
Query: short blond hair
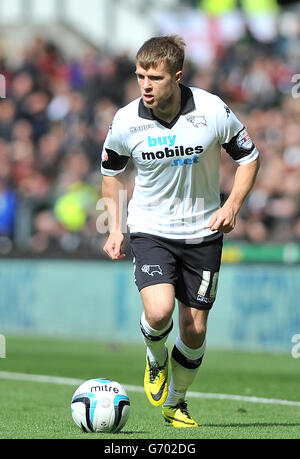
[{"x": 168, "y": 49}]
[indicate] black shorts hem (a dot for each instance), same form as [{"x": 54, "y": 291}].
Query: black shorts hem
[
  {"x": 148, "y": 284},
  {"x": 200, "y": 306}
]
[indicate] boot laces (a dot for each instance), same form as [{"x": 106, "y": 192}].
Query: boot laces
[
  {"x": 154, "y": 369},
  {"x": 183, "y": 408}
]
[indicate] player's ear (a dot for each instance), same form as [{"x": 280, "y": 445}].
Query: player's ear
[{"x": 178, "y": 76}]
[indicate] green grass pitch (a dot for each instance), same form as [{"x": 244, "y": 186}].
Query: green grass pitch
[{"x": 41, "y": 410}]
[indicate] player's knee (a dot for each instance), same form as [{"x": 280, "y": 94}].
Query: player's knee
[{"x": 158, "y": 317}]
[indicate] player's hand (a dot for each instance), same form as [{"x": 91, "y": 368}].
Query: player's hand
[
  {"x": 113, "y": 246},
  {"x": 223, "y": 220}
]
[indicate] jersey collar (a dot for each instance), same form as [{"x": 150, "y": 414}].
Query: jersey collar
[{"x": 187, "y": 105}]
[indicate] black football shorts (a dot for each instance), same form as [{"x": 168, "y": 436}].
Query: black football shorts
[{"x": 193, "y": 269}]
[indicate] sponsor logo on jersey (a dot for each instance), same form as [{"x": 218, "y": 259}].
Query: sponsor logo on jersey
[
  {"x": 176, "y": 152},
  {"x": 185, "y": 162},
  {"x": 244, "y": 140},
  {"x": 145, "y": 127},
  {"x": 165, "y": 140},
  {"x": 172, "y": 152}
]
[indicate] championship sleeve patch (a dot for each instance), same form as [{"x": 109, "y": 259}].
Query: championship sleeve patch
[
  {"x": 112, "y": 161},
  {"x": 240, "y": 145}
]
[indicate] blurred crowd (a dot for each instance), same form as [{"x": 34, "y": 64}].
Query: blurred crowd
[{"x": 56, "y": 114}]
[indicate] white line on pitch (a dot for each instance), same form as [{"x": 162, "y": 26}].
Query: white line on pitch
[{"x": 77, "y": 382}]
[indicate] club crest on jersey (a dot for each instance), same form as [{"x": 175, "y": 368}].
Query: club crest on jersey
[
  {"x": 244, "y": 140},
  {"x": 197, "y": 121}
]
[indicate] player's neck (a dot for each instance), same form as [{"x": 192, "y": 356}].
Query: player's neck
[{"x": 171, "y": 108}]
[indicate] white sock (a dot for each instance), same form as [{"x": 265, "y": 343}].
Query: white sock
[
  {"x": 185, "y": 365},
  {"x": 155, "y": 341}
]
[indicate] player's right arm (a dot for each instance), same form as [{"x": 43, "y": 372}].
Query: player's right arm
[
  {"x": 115, "y": 157},
  {"x": 112, "y": 188}
]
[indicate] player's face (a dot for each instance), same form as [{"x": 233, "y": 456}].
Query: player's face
[{"x": 157, "y": 85}]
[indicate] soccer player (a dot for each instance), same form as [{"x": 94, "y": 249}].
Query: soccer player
[{"x": 173, "y": 134}]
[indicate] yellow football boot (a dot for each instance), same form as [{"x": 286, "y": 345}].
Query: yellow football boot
[
  {"x": 178, "y": 415},
  {"x": 156, "y": 382}
]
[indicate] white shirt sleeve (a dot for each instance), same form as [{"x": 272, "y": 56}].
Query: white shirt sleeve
[
  {"x": 227, "y": 124},
  {"x": 233, "y": 136},
  {"x": 115, "y": 152}
]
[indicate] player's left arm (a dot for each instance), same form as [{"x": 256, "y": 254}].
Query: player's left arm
[
  {"x": 224, "y": 219},
  {"x": 236, "y": 141}
]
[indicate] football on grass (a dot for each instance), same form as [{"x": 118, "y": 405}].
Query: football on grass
[{"x": 100, "y": 405}]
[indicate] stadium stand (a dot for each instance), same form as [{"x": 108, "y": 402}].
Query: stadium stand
[{"x": 57, "y": 111}]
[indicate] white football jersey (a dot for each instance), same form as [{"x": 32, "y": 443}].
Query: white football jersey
[{"x": 176, "y": 164}]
